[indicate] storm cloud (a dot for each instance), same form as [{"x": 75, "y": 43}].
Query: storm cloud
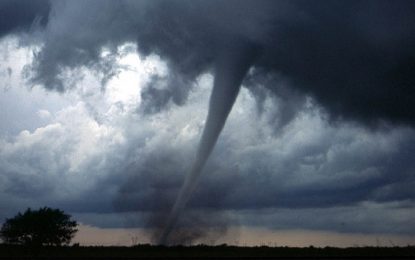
[
  {"x": 22, "y": 15},
  {"x": 354, "y": 58}
]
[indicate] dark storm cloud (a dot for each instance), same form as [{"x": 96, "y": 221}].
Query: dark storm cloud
[
  {"x": 145, "y": 179},
  {"x": 364, "y": 218},
  {"x": 353, "y": 176},
  {"x": 20, "y": 15},
  {"x": 280, "y": 108},
  {"x": 164, "y": 89},
  {"x": 356, "y": 58},
  {"x": 357, "y": 172}
]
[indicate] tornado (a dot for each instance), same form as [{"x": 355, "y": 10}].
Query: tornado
[{"x": 231, "y": 66}]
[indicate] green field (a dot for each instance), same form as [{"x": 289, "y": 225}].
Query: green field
[{"x": 207, "y": 252}]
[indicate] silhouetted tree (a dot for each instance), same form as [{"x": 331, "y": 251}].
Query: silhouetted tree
[{"x": 45, "y": 226}]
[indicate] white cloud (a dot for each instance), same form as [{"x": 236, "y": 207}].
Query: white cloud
[{"x": 44, "y": 114}]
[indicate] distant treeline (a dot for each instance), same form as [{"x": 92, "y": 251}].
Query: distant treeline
[{"x": 204, "y": 251}]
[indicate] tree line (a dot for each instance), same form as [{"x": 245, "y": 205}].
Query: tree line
[{"x": 45, "y": 226}]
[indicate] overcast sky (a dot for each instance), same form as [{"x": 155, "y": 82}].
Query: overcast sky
[{"x": 102, "y": 105}]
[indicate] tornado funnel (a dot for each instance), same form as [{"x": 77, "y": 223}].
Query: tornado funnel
[{"x": 231, "y": 66}]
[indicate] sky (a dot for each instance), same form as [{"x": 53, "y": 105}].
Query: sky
[{"x": 103, "y": 105}]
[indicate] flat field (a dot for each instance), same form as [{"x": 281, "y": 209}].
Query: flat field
[{"x": 205, "y": 252}]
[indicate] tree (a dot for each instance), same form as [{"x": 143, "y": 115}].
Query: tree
[{"x": 45, "y": 226}]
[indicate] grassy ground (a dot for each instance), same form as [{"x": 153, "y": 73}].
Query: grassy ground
[{"x": 209, "y": 252}]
